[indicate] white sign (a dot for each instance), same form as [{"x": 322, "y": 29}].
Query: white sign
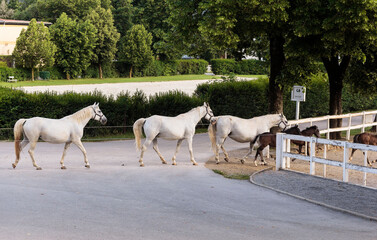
[{"x": 298, "y": 94}]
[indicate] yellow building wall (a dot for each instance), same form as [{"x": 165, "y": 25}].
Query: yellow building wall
[{"x": 8, "y": 37}]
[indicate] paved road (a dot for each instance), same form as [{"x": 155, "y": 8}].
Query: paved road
[{"x": 111, "y": 201}]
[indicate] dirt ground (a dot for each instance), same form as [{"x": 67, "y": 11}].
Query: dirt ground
[{"x": 234, "y": 166}]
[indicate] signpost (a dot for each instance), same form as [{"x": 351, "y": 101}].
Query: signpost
[{"x": 298, "y": 94}]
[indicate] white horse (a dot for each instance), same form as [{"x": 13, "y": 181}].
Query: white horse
[
  {"x": 170, "y": 128},
  {"x": 66, "y": 130},
  {"x": 241, "y": 130}
]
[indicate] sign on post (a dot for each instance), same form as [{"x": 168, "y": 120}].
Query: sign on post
[{"x": 298, "y": 94}]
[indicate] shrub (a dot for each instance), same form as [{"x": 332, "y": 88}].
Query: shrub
[
  {"x": 20, "y": 74},
  {"x": 227, "y": 66},
  {"x": 44, "y": 74}
]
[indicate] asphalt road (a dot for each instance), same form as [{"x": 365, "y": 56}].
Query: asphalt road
[{"x": 117, "y": 199}]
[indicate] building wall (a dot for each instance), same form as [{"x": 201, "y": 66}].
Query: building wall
[{"x": 8, "y": 37}]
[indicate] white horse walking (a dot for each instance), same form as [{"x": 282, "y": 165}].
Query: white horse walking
[
  {"x": 65, "y": 130},
  {"x": 241, "y": 130},
  {"x": 170, "y": 128}
]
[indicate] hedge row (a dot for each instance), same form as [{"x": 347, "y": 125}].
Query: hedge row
[
  {"x": 156, "y": 68},
  {"x": 165, "y": 68},
  {"x": 251, "y": 66},
  {"x": 122, "y": 111}
]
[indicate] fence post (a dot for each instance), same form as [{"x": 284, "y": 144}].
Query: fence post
[
  {"x": 349, "y": 126},
  {"x": 312, "y": 153},
  {"x": 363, "y": 128},
  {"x": 345, "y": 160},
  {"x": 279, "y": 151},
  {"x": 365, "y": 164}
]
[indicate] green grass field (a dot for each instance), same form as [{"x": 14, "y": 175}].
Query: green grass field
[{"x": 113, "y": 80}]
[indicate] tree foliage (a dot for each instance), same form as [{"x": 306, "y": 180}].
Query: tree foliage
[
  {"x": 75, "y": 42},
  {"x": 107, "y": 36},
  {"x": 5, "y": 12},
  {"x": 135, "y": 47},
  {"x": 34, "y": 48}
]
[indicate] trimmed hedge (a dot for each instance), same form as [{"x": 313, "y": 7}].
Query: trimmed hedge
[
  {"x": 247, "y": 67},
  {"x": 20, "y": 74},
  {"x": 165, "y": 68},
  {"x": 122, "y": 111}
]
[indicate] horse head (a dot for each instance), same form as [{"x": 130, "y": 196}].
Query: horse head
[
  {"x": 283, "y": 120},
  {"x": 98, "y": 114},
  {"x": 209, "y": 114}
]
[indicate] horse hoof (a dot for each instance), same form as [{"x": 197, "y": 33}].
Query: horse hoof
[
  {"x": 242, "y": 161},
  {"x": 142, "y": 165},
  {"x": 13, "y": 165},
  {"x": 63, "y": 167},
  {"x": 217, "y": 162},
  {"x": 226, "y": 159},
  {"x": 39, "y": 168},
  {"x": 87, "y": 166},
  {"x": 175, "y": 164},
  {"x": 164, "y": 163},
  {"x": 195, "y": 164}
]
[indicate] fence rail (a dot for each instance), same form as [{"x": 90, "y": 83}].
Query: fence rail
[
  {"x": 364, "y": 122},
  {"x": 283, "y": 155}
]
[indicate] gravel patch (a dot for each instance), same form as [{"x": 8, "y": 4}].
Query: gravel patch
[{"x": 351, "y": 198}]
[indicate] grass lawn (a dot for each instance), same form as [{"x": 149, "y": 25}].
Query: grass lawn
[{"x": 113, "y": 80}]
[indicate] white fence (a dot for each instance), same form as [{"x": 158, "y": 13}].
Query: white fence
[
  {"x": 283, "y": 155},
  {"x": 367, "y": 120}
]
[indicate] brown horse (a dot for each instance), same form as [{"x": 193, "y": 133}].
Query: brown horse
[
  {"x": 269, "y": 139},
  {"x": 308, "y": 132},
  {"x": 365, "y": 138}
]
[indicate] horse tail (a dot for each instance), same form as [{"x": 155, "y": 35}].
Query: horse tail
[
  {"x": 212, "y": 134},
  {"x": 18, "y": 131},
  {"x": 137, "y": 128}
]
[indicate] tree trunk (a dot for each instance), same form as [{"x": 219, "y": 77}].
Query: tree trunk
[
  {"x": 100, "y": 70},
  {"x": 336, "y": 70},
  {"x": 276, "y": 66},
  {"x": 131, "y": 71},
  {"x": 32, "y": 74}
]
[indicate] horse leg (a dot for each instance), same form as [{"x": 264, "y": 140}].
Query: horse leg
[
  {"x": 81, "y": 147},
  {"x": 155, "y": 147},
  {"x": 67, "y": 144},
  {"x": 226, "y": 158},
  {"x": 260, "y": 153},
  {"x": 248, "y": 153},
  {"x": 219, "y": 144},
  {"x": 143, "y": 149},
  {"x": 353, "y": 151},
  {"x": 176, "y": 151},
  {"x": 23, "y": 144},
  {"x": 31, "y": 152},
  {"x": 189, "y": 141}
]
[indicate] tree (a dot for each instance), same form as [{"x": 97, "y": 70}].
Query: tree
[
  {"x": 107, "y": 36},
  {"x": 228, "y": 24},
  {"x": 75, "y": 41},
  {"x": 135, "y": 47},
  {"x": 123, "y": 12},
  {"x": 338, "y": 33},
  {"x": 34, "y": 48},
  {"x": 5, "y": 12},
  {"x": 50, "y": 10}
]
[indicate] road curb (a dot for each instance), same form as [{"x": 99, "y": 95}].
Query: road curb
[{"x": 307, "y": 199}]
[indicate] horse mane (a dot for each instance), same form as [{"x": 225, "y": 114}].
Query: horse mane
[
  {"x": 312, "y": 127},
  {"x": 81, "y": 115}
]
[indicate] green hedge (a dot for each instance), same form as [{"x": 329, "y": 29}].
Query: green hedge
[
  {"x": 247, "y": 67},
  {"x": 20, "y": 74},
  {"x": 122, "y": 111},
  {"x": 164, "y": 68}
]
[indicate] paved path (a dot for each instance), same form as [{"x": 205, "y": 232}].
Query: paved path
[
  {"x": 116, "y": 199},
  {"x": 350, "y": 198},
  {"x": 149, "y": 88}
]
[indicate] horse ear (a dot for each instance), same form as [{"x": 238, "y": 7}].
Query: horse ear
[{"x": 205, "y": 104}]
